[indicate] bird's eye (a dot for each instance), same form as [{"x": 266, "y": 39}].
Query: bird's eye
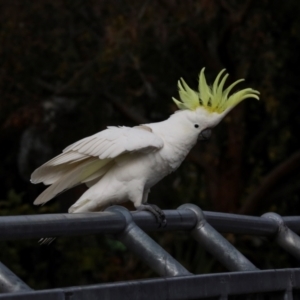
[{"x": 196, "y": 126}]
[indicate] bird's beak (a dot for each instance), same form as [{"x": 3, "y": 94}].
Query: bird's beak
[{"x": 205, "y": 135}]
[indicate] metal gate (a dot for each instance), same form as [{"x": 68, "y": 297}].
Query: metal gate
[{"x": 243, "y": 281}]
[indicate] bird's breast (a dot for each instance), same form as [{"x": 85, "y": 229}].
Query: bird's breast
[
  {"x": 149, "y": 168},
  {"x": 165, "y": 162}
]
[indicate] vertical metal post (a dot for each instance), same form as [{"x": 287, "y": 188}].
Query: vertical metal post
[
  {"x": 10, "y": 283},
  {"x": 216, "y": 244},
  {"x": 285, "y": 237},
  {"x": 147, "y": 249}
]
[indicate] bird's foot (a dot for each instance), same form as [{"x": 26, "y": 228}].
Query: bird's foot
[
  {"x": 46, "y": 241},
  {"x": 156, "y": 211}
]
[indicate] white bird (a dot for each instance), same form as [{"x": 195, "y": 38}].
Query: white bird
[{"x": 123, "y": 163}]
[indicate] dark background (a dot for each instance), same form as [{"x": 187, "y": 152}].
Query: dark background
[{"x": 70, "y": 68}]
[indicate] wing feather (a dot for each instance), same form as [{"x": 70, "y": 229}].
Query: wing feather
[
  {"x": 114, "y": 141},
  {"x": 67, "y": 180},
  {"x": 48, "y": 174},
  {"x": 70, "y": 156},
  {"x": 85, "y": 161},
  {"x": 77, "y": 175}
]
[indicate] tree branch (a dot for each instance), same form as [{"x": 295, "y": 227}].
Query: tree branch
[
  {"x": 269, "y": 182},
  {"x": 234, "y": 15}
]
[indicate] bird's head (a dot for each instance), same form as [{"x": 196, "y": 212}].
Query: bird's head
[{"x": 205, "y": 108}]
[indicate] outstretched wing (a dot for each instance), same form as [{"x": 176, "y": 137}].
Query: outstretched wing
[
  {"x": 88, "y": 159},
  {"x": 114, "y": 141}
]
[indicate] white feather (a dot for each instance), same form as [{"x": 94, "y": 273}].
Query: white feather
[
  {"x": 66, "y": 181},
  {"x": 80, "y": 163},
  {"x": 113, "y": 141},
  {"x": 122, "y": 163}
]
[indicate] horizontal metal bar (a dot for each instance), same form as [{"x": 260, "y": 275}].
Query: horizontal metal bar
[
  {"x": 241, "y": 224},
  {"x": 187, "y": 287},
  {"x": 36, "y": 226},
  {"x": 47, "y": 225},
  {"x": 293, "y": 223}
]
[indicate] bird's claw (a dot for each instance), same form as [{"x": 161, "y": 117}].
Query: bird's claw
[{"x": 157, "y": 212}]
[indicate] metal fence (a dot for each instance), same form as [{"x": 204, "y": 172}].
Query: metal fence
[{"x": 243, "y": 281}]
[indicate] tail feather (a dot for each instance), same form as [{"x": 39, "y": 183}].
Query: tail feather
[
  {"x": 77, "y": 205},
  {"x": 85, "y": 205}
]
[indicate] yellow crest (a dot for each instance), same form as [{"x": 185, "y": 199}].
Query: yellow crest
[{"x": 213, "y": 99}]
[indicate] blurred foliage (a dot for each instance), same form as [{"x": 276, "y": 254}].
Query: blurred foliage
[{"x": 70, "y": 68}]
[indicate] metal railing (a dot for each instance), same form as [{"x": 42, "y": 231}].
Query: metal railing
[{"x": 177, "y": 283}]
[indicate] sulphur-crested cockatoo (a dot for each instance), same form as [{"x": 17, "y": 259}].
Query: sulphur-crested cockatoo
[{"x": 123, "y": 163}]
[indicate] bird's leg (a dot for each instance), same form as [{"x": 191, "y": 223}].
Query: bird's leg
[{"x": 142, "y": 205}]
